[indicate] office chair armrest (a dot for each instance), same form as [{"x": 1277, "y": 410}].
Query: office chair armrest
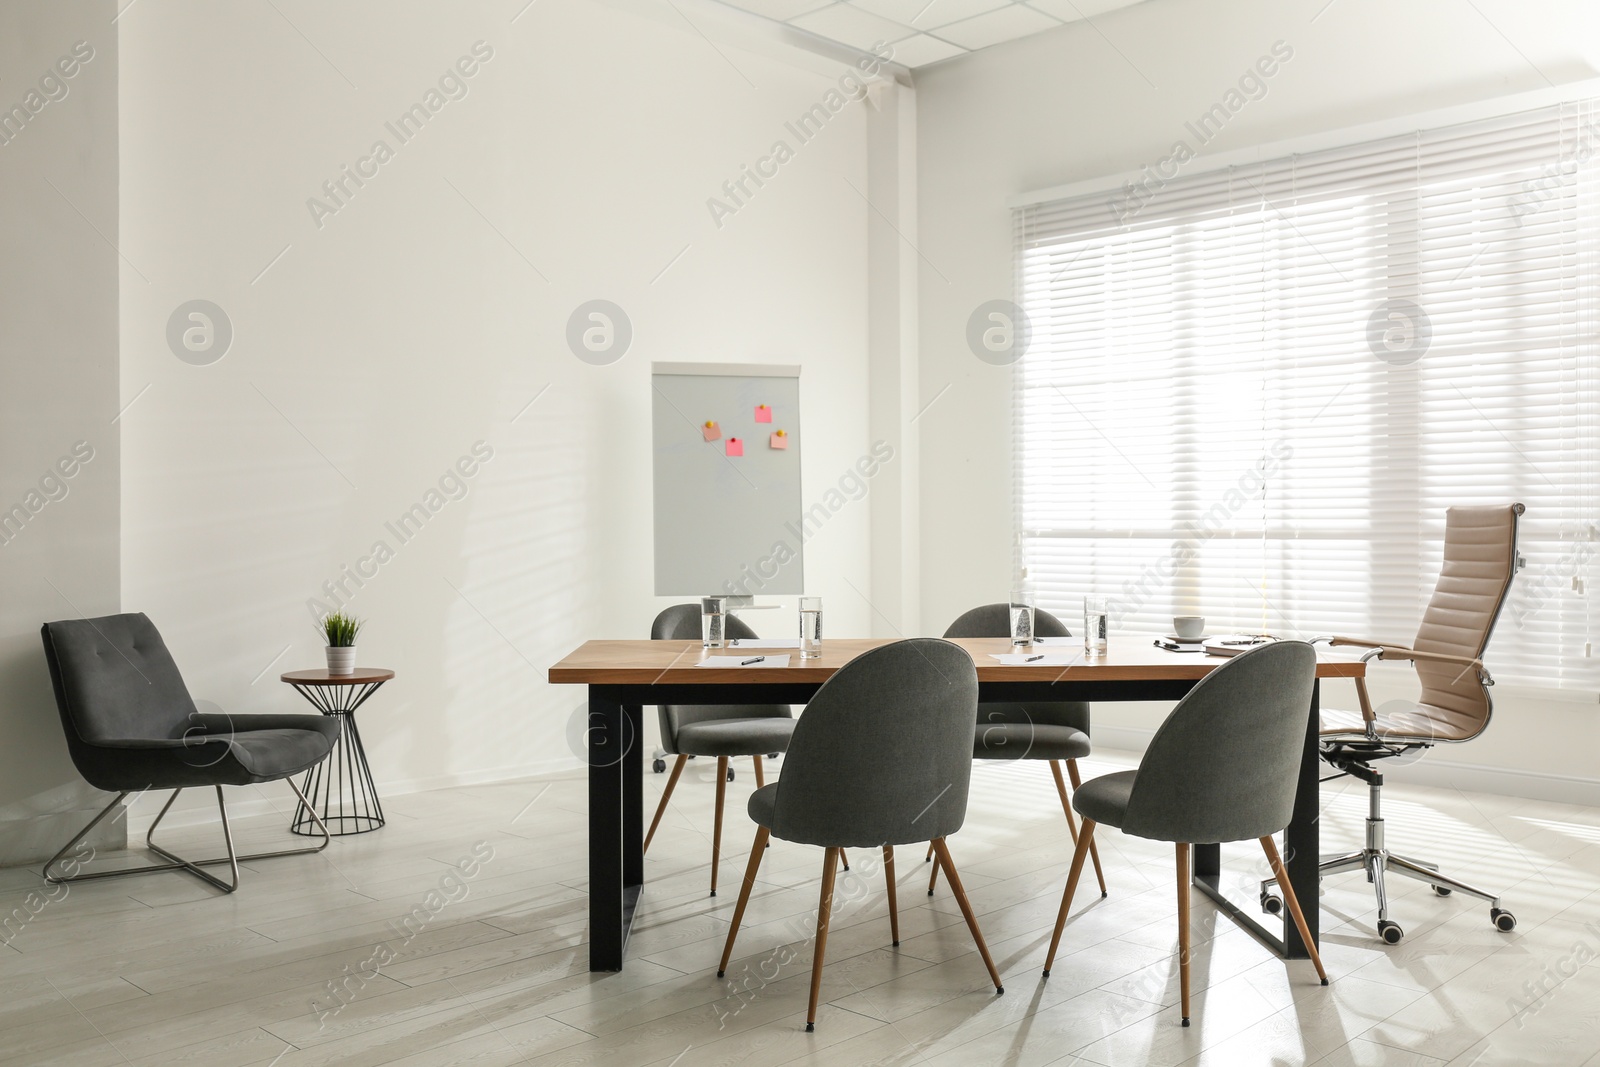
[
  {"x": 1400, "y": 652},
  {"x": 1359, "y": 642}
]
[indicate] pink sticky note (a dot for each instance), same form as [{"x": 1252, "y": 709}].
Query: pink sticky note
[
  {"x": 763, "y": 413},
  {"x": 779, "y": 440},
  {"x": 735, "y": 447},
  {"x": 711, "y": 431}
]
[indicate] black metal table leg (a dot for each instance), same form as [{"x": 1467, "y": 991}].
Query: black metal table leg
[
  {"x": 616, "y": 859},
  {"x": 1301, "y": 855},
  {"x": 633, "y": 798}
]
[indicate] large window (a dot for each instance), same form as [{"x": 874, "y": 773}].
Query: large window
[{"x": 1251, "y": 393}]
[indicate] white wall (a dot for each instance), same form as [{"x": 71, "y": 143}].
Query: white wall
[
  {"x": 58, "y": 387},
  {"x": 415, "y": 322},
  {"x": 1086, "y": 101}
]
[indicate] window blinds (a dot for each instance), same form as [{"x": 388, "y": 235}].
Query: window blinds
[{"x": 1251, "y": 393}]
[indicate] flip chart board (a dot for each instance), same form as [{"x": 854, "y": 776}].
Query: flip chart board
[{"x": 726, "y": 524}]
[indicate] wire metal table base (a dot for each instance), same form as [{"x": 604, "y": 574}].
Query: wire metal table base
[{"x": 340, "y": 788}]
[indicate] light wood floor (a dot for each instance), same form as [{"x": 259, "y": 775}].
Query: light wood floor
[{"x": 161, "y": 970}]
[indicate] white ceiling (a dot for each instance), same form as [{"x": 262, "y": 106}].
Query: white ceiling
[{"x": 926, "y": 31}]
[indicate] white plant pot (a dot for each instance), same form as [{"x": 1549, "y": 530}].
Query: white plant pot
[{"x": 341, "y": 660}]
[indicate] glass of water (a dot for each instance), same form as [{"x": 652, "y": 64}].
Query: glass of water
[
  {"x": 1096, "y": 616},
  {"x": 713, "y": 621},
  {"x": 810, "y": 627},
  {"x": 1022, "y": 615}
]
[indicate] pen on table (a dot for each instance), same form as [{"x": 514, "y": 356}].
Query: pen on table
[
  {"x": 747, "y": 662},
  {"x": 1030, "y": 659}
]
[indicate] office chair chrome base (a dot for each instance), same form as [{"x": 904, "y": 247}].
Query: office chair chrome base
[
  {"x": 1376, "y": 861},
  {"x": 177, "y": 863}
]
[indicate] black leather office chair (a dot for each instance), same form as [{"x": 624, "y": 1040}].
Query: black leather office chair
[
  {"x": 1225, "y": 766},
  {"x": 719, "y": 730},
  {"x": 131, "y": 726},
  {"x": 881, "y": 757}
]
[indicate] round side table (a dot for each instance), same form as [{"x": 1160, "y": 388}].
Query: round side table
[{"x": 340, "y": 787}]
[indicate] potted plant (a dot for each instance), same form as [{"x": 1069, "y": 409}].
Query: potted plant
[{"x": 341, "y": 631}]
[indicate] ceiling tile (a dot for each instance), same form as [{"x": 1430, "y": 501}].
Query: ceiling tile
[
  {"x": 1073, "y": 10},
  {"x": 928, "y": 14},
  {"x": 782, "y": 10},
  {"x": 851, "y": 26},
  {"x": 993, "y": 27},
  {"x": 921, "y": 49}
]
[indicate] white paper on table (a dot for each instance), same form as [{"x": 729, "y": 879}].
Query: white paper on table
[
  {"x": 764, "y": 642},
  {"x": 1027, "y": 659},
  {"x": 743, "y": 661}
]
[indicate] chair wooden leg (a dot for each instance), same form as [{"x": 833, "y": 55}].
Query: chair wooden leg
[
  {"x": 1085, "y": 842},
  {"x": 716, "y": 827},
  {"x": 960, "y": 893},
  {"x": 1066, "y": 802},
  {"x": 844, "y": 860},
  {"x": 830, "y": 867},
  {"x": 757, "y": 850},
  {"x": 1094, "y": 851},
  {"x": 894, "y": 908},
  {"x": 1183, "y": 926},
  {"x": 761, "y": 775},
  {"x": 1271, "y": 849},
  {"x": 672, "y": 783},
  {"x": 933, "y": 875}
]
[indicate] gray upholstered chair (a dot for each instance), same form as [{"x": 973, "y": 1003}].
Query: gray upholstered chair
[
  {"x": 719, "y": 730},
  {"x": 1480, "y": 561},
  {"x": 1056, "y": 731},
  {"x": 131, "y": 726},
  {"x": 1223, "y": 767},
  {"x": 881, "y": 757}
]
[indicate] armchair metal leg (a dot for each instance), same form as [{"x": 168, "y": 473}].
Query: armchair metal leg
[
  {"x": 1354, "y": 861},
  {"x": 178, "y": 863},
  {"x": 1375, "y": 868},
  {"x": 1428, "y": 872}
]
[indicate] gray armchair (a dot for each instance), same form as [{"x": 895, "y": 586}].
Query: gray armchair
[
  {"x": 716, "y": 730},
  {"x": 1055, "y": 731},
  {"x": 131, "y": 726},
  {"x": 1223, "y": 767},
  {"x": 881, "y": 757}
]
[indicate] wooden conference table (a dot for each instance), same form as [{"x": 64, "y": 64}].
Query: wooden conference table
[{"x": 624, "y": 676}]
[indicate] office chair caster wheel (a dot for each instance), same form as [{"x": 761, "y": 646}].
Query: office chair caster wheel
[
  {"x": 1504, "y": 921},
  {"x": 1272, "y": 904},
  {"x": 1390, "y": 932},
  {"x": 659, "y": 766},
  {"x": 1443, "y": 890}
]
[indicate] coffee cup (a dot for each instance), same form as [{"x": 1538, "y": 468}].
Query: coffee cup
[{"x": 1188, "y": 627}]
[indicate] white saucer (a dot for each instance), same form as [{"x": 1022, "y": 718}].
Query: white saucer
[{"x": 1188, "y": 640}]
